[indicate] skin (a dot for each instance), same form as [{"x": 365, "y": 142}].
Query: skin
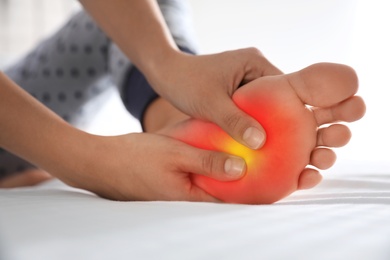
[
  {"x": 296, "y": 137},
  {"x": 175, "y": 75},
  {"x": 85, "y": 161},
  {"x": 285, "y": 163},
  {"x": 101, "y": 164}
]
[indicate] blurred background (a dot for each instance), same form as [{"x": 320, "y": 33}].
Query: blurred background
[{"x": 292, "y": 34}]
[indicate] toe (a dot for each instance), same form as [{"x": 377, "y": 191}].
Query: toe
[
  {"x": 27, "y": 178},
  {"x": 336, "y": 135},
  {"x": 324, "y": 84},
  {"x": 349, "y": 110},
  {"x": 322, "y": 158},
  {"x": 308, "y": 179}
]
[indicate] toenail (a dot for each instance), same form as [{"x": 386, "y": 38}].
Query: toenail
[
  {"x": 234, "y": 166},
  {"x": 253, "y": 137}
]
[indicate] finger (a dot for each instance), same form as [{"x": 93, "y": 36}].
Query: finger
[
  {"x": 198, "y": 195},
  {"x": 322, "y": 158},
  {"x": 257, "y": 65},
  {"x": 269, "y": 69},
  {"x": 336, "y": 135},
  {"x": 349, "y": 110},
  {"x": 243, "y": 128},
  {"x": 216, "y": 165},
  {"x": 239, "y": 125},
  {"x": 308, "y": 179}
]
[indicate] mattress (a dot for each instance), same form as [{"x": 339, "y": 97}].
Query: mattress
[{"x": 346, "y": 217}]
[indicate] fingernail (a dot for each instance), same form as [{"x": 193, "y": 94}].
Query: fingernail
[
  {"x": 235, "y": 166},
  {"x": 253, "y": 137}
]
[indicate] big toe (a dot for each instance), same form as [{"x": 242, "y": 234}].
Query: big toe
[{"x": 324, "y": 84}]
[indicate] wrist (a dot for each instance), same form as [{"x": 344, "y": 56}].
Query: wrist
[
  {"x": 157, "y": 66},
  {"x": 68, "y": 155},
  {"x": 164, "y": 71},
  {"x": 102, "y": 166}
]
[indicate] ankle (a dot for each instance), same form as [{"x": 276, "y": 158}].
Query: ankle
[{"x": 159, "y": 114}]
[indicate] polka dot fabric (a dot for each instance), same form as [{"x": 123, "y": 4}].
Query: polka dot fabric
[{"x": 71, "y": 71}]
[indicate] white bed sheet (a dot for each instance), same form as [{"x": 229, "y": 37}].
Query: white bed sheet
[{"x": 346, "y": 217}]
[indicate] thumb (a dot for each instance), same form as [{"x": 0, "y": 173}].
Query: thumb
[
  {"x": 239, "y": 125},
  {"x": 216, "y": 165}
]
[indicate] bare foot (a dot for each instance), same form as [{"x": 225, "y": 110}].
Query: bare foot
[
  {"x": 29, "y": 177},
  {"x": 291, "y": 108}
]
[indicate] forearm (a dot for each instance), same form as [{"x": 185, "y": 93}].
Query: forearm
[
  {"x": 138, "y": 28},
  {"x": 33, "y": 132}
]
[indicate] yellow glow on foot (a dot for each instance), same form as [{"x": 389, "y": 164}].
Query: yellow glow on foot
[{"x": 249, "y": 155}]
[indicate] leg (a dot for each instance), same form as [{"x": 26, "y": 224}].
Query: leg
[
  {"x": 295, "y": 137},
  {"x": 80, "y": 50},
  {"x": 64, "y": 72}
]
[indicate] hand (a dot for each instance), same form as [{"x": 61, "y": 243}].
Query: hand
[
  {"x": 147, "y": 167},
  {"x": 202, "y": 87}
]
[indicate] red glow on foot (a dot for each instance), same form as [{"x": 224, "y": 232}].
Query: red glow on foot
[{"x": 272, "y": 171}]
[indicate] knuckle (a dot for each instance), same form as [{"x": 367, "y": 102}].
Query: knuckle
[
  {"x": 254, "y": 51},
  {"x": 230, "y": 121},
  {"x": 175, "y": 155},
  {"x": 234, "y": 122},
  {"x": 208, "y": 162}
]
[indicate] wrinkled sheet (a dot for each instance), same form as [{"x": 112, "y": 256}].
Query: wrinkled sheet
[{"x": 346, "y": 217}]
